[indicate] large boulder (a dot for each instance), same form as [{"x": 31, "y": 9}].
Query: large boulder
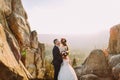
[
  {"x": 114, "y": 60},
  {"x": 114, "y": 41},
  {"x": 96, "y": 63}
]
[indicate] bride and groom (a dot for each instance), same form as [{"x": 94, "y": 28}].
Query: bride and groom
[{"x": 62, "y": 69}]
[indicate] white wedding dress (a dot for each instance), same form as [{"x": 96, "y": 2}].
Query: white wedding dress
[{"x": 66, "y": 70}]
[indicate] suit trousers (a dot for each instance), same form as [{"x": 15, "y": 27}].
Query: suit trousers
[{"x": 56, "y": 71}]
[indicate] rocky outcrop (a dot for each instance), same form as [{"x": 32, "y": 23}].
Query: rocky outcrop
[
  {"x": 114, "y": 41},
  {"x": 101, "y": 65},
  {"x": 16, "y": 36},
  {"x": 35, "y": 58},
  {"x": 114, "y": 51}
]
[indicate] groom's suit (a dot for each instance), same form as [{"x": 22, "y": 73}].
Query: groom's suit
[{"x": 57, "y": 60}]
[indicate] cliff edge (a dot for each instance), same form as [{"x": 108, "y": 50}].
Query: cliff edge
[{"x": 16, "y": 38}]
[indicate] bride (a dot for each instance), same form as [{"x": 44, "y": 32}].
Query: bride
[{"x": 66, "y": 70}]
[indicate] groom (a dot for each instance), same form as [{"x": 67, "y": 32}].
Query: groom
[{"x": 57, "y": 58}]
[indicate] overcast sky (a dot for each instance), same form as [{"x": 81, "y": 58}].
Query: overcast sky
[{"x": 72, "y": 16}]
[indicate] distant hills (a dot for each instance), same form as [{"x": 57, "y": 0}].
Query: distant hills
[{"x": 84, "y": 43}]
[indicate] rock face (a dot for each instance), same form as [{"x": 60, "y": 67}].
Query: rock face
[
  {"x": 10, "y": 68},
  {"x": 15, "y": 35},
  {"x": 98, "y": 66}
]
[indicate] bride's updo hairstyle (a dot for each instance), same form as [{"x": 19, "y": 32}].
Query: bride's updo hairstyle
[{"x": 64, "y": 42}]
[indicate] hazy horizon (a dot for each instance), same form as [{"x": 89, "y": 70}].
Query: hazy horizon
[{"x": 84, "y": 43}]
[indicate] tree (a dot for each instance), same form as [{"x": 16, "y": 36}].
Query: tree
[{"x": 74, "y": 63}]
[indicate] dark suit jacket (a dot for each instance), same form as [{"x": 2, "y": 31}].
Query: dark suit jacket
[{"x": 57, "y": 58}]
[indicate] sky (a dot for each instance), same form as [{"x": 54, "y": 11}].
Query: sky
[{"x": 72, "y": 16}]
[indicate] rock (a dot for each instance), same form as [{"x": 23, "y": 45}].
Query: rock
[
  {"x": 19, "y": 28},
  {"x": 96, "y": 64},
  {"x": 116, "y": 71},
  {"x": 17, "y": 22},
  {"x": 114, "y": 51},
  {"x": 34, "y": 39},
  {"x": 89, "y": 77},
  {"x": 35, "y": 57},
  {"x": 6, "y": 7},
  {"x": 79, "y": 70},
  {"x": 114, "y": 41},
  {"x": 114, "y": 63},
  {"x": 114, "y": 60},
  {"x": 9, "y": 67},
  {"x": 13, "y": 45},
  {"x": 35, "y": 62},
  {"x": 107, "y": 78},
  {"x": 41, "y": 51}
]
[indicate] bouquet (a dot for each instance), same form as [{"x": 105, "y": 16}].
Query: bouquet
[{"x": 65, "y": 53}]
